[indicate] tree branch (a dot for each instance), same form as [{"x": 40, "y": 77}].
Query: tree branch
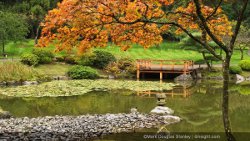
[
  {"x": 215, "y": 10},
  {"x": 204, "y": 23}
]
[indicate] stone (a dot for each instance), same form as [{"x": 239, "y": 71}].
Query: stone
[
  {"x": 4, "y": 114},
  {"x": 60, "y": 78},
  {"x": 239, "y": 78},
  {"x": 160, "y": 110},
  {"x": 171, "y": 119},
  {"x": 84, "y": 127},
  {"x": 184, "y": 77},
  {"x": 111, "y": 77},
  {"x": 134, "y": 111},
  {"x": 248, "y": 78},
  {"x": 30, "y": 83}
]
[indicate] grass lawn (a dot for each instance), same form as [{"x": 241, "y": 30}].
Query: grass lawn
[
  {"x": 167, "y": 50},
  {"x": 54, "y": 69}
]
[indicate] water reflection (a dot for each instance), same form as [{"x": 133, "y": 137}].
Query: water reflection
[{"x": 199, "y": 105}]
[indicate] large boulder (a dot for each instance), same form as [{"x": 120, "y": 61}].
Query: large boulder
[
  {"x": 160, "y": 110},
  {"x": 184, "y": 77}
]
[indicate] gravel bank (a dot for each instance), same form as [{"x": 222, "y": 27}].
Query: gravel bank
[{"x": 77, "y": 127}]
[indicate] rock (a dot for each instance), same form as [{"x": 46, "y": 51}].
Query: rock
[
  {"x": 171, "y": 119},
  {"x": 111, "y": 77},
  {"x": 83, "y": 127},
  {"x": 161, "y": 95},
  {"x": 134, "y": 110},
  {"x": 4, "y": 114},
  {"x": 184, "y": 77},
  {"x": 248, "y": 78},
  {"x": 30, "y": 83},
  {"x": 3, "y": 83},
  {"x": 239, "y": 78},
  {"x": 160, "y": 110},
  {"x": 60, "y": 78}
]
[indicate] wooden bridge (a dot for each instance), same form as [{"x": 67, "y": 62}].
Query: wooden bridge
[{"x": 164, "y": 66}]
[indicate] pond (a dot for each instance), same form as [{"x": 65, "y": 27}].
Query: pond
[{"x": 199, "y": 106}]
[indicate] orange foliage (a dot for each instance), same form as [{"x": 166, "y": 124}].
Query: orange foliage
[
  {"x": 218, "y": 23},
  {"x": 84, "y": 24}
]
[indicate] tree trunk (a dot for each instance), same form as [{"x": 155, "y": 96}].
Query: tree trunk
[
  {"x": 37, "y": 34},
  {"x": 241, "y": 54},
  {"x": 208, "y": 65},
  {"x": 3, "y": 49},
  {"x": 225, "y": 100}
]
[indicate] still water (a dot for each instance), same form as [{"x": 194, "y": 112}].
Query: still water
[{"x": 198, "y": 104}]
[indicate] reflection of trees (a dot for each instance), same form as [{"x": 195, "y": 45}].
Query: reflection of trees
[{"x": 92, "y": 103}]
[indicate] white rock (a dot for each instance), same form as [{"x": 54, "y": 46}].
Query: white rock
[
  {"x": 171, "y": 119},
  {"x": 162, "y": 110},
  {"x": 239, "y": 78},
  {"x": 133, "y": 110}
]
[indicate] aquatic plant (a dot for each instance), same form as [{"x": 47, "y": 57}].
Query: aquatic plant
[{"x": 80, "y": 87}]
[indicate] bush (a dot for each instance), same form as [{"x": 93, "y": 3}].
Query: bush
[
  {"x": 45, "y": 57},
  {"x": 87, "y": 59},
  {"x": 124, "y": 67},
  {"x": 16, "y": 71},
  {"x": 245, "y": 65},
  {"x": 102, "y": 59},
  {"x": 59, "y": 59},
  {"x": 82, "y": 72},
  {"x": 235, "y": 70},
  {"x": 30, "y": 59},
  {"x": 113, "y": 68},
  {"x": 124, "y": 63}
]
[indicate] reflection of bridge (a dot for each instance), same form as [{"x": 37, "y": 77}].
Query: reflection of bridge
[
  {"x": 176, "y": 91},
  {"x": 164, "y": 66}
]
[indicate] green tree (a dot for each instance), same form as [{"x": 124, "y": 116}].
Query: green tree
[
  {"x": 13, "y": 27},
  {"x": 34, "y": 10}
]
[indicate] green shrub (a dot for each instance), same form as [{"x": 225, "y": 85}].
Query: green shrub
[
  {"x": 235, "y": 70},
  {"x": 45, "y": 57},
  {"x": 82, "y": 72},
  {"x": 245, "y": 65},
  {"x": 102, "y": 59},
  {"x": 30, "y": 59},
  {"x": 87, "y": 59},
  {"x": 60, "y": 59}
]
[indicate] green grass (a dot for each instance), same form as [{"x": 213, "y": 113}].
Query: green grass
[
  {"x": 167, "y": 50},
  {"x": 54, "y": 69},
  {"x": 16, "y": 49}
]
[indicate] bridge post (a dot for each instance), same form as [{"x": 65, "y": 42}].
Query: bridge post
[
  {"x": 138, "y": 74},
  {"x": 161, "y": 75}
]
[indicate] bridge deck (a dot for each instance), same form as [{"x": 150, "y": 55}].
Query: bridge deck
[{"x": 165, "y": 66}]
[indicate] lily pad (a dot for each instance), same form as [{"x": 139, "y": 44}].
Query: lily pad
[{"x": 80, "y": 87}]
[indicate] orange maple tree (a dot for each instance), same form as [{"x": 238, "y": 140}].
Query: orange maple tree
[{"x": 86, "y": 24}]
